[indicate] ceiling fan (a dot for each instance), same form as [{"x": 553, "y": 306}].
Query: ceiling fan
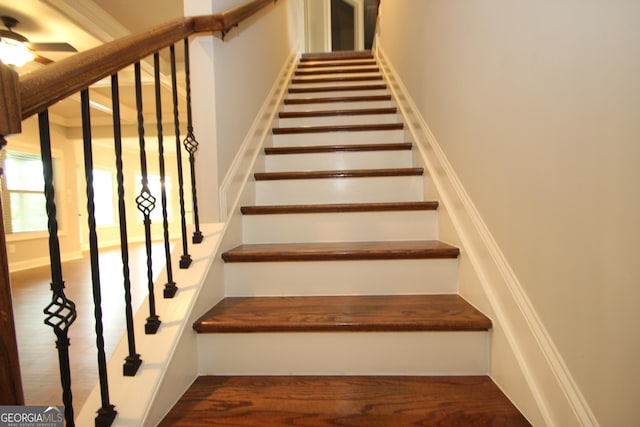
[{"x": 16, "y": 49}]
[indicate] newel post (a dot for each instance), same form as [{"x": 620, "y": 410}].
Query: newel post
[
  {"x": 10, "y": 380},
  {"x": 10, "y": 108}
]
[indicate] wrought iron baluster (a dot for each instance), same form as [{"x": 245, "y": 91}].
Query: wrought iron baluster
[
  {"x": 146, "y": 203},
  {"x": 132, "y": 361},
  {"x": 170, "y": 287},
  {"x": 191, "y": 145},
  {"x": 185, "y": 259},
  {"x": 107, "y": 412},
  {"x": 61, "y": 312}
]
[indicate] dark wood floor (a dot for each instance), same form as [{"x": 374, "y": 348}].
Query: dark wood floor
[
  {"x": 344, "y": 401},
  {"x": 36, "y": 341}
]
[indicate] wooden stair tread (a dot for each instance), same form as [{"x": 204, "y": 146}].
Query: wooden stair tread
[
  {"x": 311, "y": 149},
  {"x": 342, "y": 88},
  {"x": 338, "y": 112},
  {"x": 344, "y": 313},
  {"x": 320, "y": 100},
  {"x": 335, "y": 79},
  {"x": 357, "y": 401},
  {"x": 336, "y": 251},
  {"x": 338, "y": 128},
  {"x": 339, "y": 208},
  {"x": 336, "y": 70},
  {"x": 339, "y": 173},
  {"x": 334, "y": 56},
  {"x": 341, "y": 63}
]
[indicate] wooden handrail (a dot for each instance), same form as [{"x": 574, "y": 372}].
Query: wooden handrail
[
  {"x": 11, "y": 385},
  {"x": 10, "y": 111},
  {"x": 228, "y": 19},
  {"x": 46, "y": 86}
]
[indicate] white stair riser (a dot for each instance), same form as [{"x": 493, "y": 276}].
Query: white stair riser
[
  {"x": 336, "y": 74},
  {"x": 319, "y": 106},
  {"x": 344, "y": 353},
  {"x": 306, "y": 81},
  {"x": 360, "y": 62},
  {"x": 366, "y": 277},
  {"x": 340, "y": 227},
  {"x": 350, "y": 67},
  {"x": 339, "y": 120},
  {"x": 338, "y": 160},
  {"x": 330, "y": 138},
  {"x": 329, "y": 72},
  {"x": 323, "y": 94},
  {"x": 327, "y": 90},
  {"x": 339, "y": 190}
]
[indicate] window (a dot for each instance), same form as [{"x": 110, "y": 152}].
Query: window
[
  {"x": 24, "y": 205},
  {"x": 103, "y": 197}
]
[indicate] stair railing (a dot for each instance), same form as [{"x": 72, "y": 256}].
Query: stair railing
[{"x": 33, "y": 94}]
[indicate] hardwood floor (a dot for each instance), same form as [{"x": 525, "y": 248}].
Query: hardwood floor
[
  {"x": 36, "y": 341},
  {"x": 344, "y": 401}
]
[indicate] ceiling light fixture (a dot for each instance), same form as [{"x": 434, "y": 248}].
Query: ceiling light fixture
[{"x": 14, "y": 49}]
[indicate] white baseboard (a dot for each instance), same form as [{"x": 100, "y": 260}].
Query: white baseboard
[{"x": 558, "y": 398}]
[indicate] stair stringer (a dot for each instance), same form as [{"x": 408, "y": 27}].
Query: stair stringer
[
  {"x": 168, "y": 357},
  {"x": 525, "y": 363}
]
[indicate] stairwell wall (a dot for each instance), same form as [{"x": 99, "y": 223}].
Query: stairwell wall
[
  {"x": 231, "y": 79},
  {"x": 534, "y": 105}
]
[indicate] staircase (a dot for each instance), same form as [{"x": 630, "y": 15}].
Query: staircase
[{"x": 341, "y": 305}]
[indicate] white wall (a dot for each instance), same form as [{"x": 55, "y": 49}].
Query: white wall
[
  {"x": 536, "y": 106},
  {"x": 317, "y": 25},
  {"x": 246, "y": 64},
  {"x": 244, "y": 67}
]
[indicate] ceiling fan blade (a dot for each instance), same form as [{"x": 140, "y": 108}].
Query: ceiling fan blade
[{"x": 53, "y": 47}]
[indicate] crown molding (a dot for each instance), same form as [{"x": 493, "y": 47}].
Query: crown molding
[{"x": 91, "y": 18}]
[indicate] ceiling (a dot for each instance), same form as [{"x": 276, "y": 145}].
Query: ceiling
[{"x": 86, "y": 24}]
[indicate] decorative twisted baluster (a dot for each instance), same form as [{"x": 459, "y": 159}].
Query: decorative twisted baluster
[
  {"x": 132, "y": 361},
  {"x": 170, "y": 287},
  {"x": 146, "y": 203},
  {"x": 107, "y": 412},
  {"x": 185, "y": 259},
  {"x": 61, "y": 312},
  {"x": 191, "y": 145}
]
